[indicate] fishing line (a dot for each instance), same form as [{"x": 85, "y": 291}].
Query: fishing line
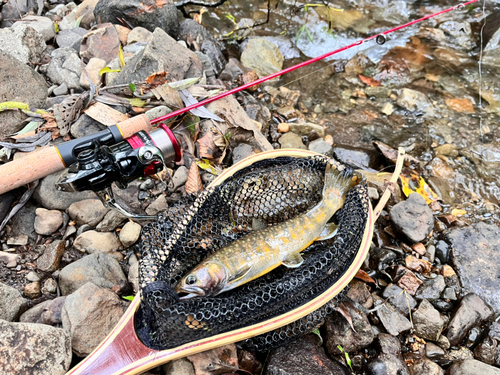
[
  {"x": 480, "y": 106},
  {"x": 380, "y": 39}
]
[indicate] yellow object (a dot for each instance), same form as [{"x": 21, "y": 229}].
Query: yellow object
[{"x": 414, "y": 183}]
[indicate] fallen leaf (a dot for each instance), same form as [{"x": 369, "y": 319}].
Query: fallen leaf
[
  {"x": 369, "y": 81},
  {"x": 107, "y": 69},
  {"x": 460, "y": 105},
  {"x": 458, "y": 212},
  {"x": 169, "y": 95},
  {"x": 206, "y": 165},
  {"x": 412, "y": 182},
  {"x": 157, "y": 79},
  {"x": 193, "y": 183},
  {"x": 362, "y": 275},
  {"x": 342, "y": 309},
  {"x": 207, "y": 147},
  {"x": 105, "y": 114},
  {"x": 216, "y": 361},
  {"x": 120, "y": 56}
]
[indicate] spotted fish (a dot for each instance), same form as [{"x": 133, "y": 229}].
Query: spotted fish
[{"x": 263, "y": 250}]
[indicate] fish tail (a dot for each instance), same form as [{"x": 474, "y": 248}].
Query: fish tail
[{"x": 340, "y": 178}]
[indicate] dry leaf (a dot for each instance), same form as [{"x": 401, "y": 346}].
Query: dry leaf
[
  {"x": 169, "y": 95},
  {"x": 105, "y": 114},
  {"x": 412, "y": 182},
  {"x": 369, "y": 81},
  {"x": 157, "y": 79},
  {"x": 362, "y": 275},
  {"x": 342, "y": 309},
  {"x": 193, "y": 183},
  {"x": 216, "y": 361},
  {"x": 206, "y": 146}
]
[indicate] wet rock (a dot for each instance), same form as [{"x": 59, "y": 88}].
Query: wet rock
[
  {"x": 431, "y": 288},
  {"x": 413, "y": 100},
  {"x": 381, "y": 258},
  {"x": 486, "y": 158},
  {"x": 91, "y": 72},
  {"x": 88, "y": 211},
  {"x": 471, "y": 312},
  {"x": 403, "y": 302},
  {"x": 321, "y": 147},
  {"x": 263, "y": 57},
  {"x": 112, "y": 220},
  {"x": 413, "y": 218},
  {"x": 23, "y": 43},
  {"x": 33, "y": 290},
  {"x": 179, "y": 367},
  {"x": 339, "y": 331},
  {"x": 20, "y": 83},
  {"x": 241, "y": 152},
  {"x": 441, "y": 169},
  {"x": 99, "y": 268},
  {"x": 34, "y": 349},
  {"x": 407, "y": 280},
  {"x": 291, "y": 140},
  {"x": 12, "y": 303},
  {"x": 162, "y": 54},
  {"x": 47, "y": 312},
  {"x": 460, "y": 31},
  {"x": 442, "y": 251},
  {"x": 130, "y": 234},
  {"x": 392, "y": 320},
  {"x": 303, "y": 357},
  {"x": 191, "y": 31},
  {"x": 94, "y": 242},
  {"x": 433, "y": 351},
  {"x": 50, "y": 259},
  {"x": 356, "y": 157},
  {"x": 82, "y": 316},
  {"x": 447, "y": 149},
  {"x": 47, "y": 221},
  {"x": 85, "y": 13},
  {"x": 418, "y": 265},
  {"x": 44, "y": 25},
  {"x": 428, "y": 321},
  {"x": 306, "y": 128},
  {"x": 424, "y": 366},
  {"x": 102, "y": 43},
  {"x": 486, "y": 351},
  {"x": 65, "y": 67},
  {"x": 358, "y": 292},
  {"x": 71, "y": 38},
  {"x": 389, "y": 361},
  {"x": 49, "y": 286},
  {"x": 472, "y": 367},
  {"x": 23, "y": 223},
  {"x": 470, "y": 246},
  {"x": 149, "y": 14}
]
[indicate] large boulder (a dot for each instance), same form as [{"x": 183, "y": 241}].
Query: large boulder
[{"x": 22, "y": 42}]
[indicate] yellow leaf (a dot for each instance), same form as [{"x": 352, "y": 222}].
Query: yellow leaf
[
  {"x": 120, "y": 56},
  {"x": 207, "y": 166},
  {"x": 107, "y": 69},
  {"x": 56, "y": 27},
  {"x": 458, "y": 212},
  {"x": 22, "y": 106},
  {"x": 136, "y": 102},
  {"x": 414, "y": 183}
]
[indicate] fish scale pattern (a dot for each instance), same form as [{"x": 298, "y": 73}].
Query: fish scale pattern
[{"x": 268, "y": 191}]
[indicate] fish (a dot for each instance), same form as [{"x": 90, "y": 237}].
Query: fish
[{"x": 262, "y": 250}]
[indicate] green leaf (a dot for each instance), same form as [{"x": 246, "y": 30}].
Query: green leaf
[
  {"x": 30, "y": 127},
  {"x": 120, "y": 56},
  {"x": 128, "y": 298},
  {"x": 107, "y": 69},
  {"x": 207, "y": 166},
  {"x": 136, "y": 102},
  {"x": 300, "y": 32},
  {"x": 309, "y": 35},
  {"x": 230, "y": 17},
  {"x": 131, "y": 87},
  {"x": 77, "y": 22}
]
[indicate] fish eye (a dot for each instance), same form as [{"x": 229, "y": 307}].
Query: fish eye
[{"x": 191, "y": 279}]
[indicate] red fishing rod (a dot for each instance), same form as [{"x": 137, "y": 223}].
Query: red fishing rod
[{"x": 133, "y": 140}]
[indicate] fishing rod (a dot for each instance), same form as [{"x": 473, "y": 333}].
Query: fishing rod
[{"x": 127, "y": 134}]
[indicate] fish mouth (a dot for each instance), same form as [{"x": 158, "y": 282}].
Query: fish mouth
[{"x": 192, "y": 291}]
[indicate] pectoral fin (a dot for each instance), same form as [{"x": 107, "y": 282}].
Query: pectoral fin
[
  {"x": 293, "y": 260},
  {"x": 329, "y": 231},
  {"x": 239, "y": 275}
]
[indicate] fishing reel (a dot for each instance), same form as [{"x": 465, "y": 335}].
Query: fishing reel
[{"x": 100, "y": 159}]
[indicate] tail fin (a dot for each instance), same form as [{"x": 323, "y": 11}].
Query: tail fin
[{"x": 341, "y": 178}]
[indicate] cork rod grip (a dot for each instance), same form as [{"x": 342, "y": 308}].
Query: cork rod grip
[
  {"x": 134, "y": 124},
  {"x": 29, "y": 168}
]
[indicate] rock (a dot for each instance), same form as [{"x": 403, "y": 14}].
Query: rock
[
  {"x": 88, "y": 211},
  {"x": 20, "y": 83},
  {"x": 69, "y": 20},
  {"x": 232, "y": 70},
  {"x": 357, "y": 157},
  {"x": 486, "y": 351},
  {"x": 431, "y": 289},
  {"x": 139, "y": 34},
  {"x": 133, "y": 273},
  {"x": 413, "y": 100},
  {"x": 441, "y": 169},
  {"x": 82, "y": 315},
  {"x": 408, "y": 281},
  {"x": 47, "y": 312},
  {"x": 263, "y": 57},
  {"x": 51, "y": 257},
  {"x": 359, "y": 293},
  {"x": 303, "y": 357},
  {"x": 291, "y": 140},
  {"x": 23, "y": 43},
  {"x": 339, "y": 331},
  {"x": 91, "y": 71},
  {"x": 112, "y": 220},
  {"x": 486, "y": 158},
  {"x": 23, "y": 223},
  {"x": 424, "y": 366},
  {"x": 159, "y": 205},
  {"x": 433, "y": 351},
  {"x": 44, "y": 26},
  {"x": 321, "y": 147},
  {"x": 203, "y": 362},
  {"x": 102, "y": 43},
  {"x": 99, "y": 268},
  {"x": 283, "y": 127},
  {"x": 413, "y": 218},
  {"x": 403, "y": 302},
  {"x": 162, "y": 54},
  {"x": 179, "y": 367},
  {"x": 461, "y": 33},
  {"x": 10, "y": 260},
  {"x": 387, "y": 109},
  {"x": 85, "y": 13},
  {"x": 12, "y": 303},
  {"x": 65, "y": 67},
  {"x": 470, "y": 246},
  {"x": 149, "y": 14},
  {"x": 47, "y": 222},
  {"x": 241, "y": 152},
  {"x": 428, "y": 321},
  {"x": 62, "y": 89},
  {"x": 418, "y": 265},
  {"x": 180, "y": 177},
  {"x": 49, "y": 197},
  {"x": 393, "y": 321},
  {"x": 191, "y": 31},
  {"x": 130, "y": 234},
  {"x": 32, "y": 290},
  {"x": 389, "y": 361},
  {"x": 71, "y": 38},
  {"x": 32, "y": 276},
  {"x": 472, "y": 367},
  {"x": 34, "y": 349},
  {"x": 307, "y": 128},
  {"x": 49, "y": 286},
  {"x": 94, "y": 242},
  {"x": 442, "y": 251},
  {"x": 20, "y": 240},
  {"x": 159, "y": 111},
  {"x": 472, "y": 312}
]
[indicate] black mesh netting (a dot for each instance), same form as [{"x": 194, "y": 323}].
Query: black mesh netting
[{"x": 271, "y": 191}]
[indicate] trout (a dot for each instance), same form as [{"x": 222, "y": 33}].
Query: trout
[{"x": 263, "y": 250}]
